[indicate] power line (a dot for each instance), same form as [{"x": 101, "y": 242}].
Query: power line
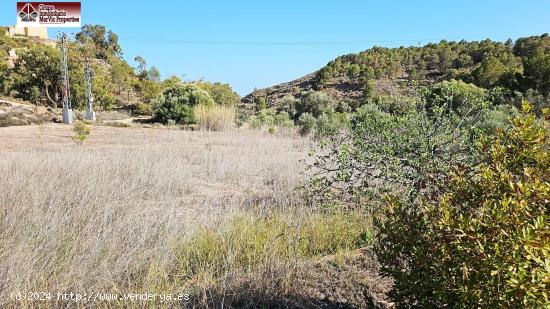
[
  {"x": 410, "y": 42},
  {"x": 284, "y": 43}
]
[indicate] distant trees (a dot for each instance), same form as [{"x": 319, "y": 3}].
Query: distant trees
[
  {"x": 517, "y": 67},
  {"x": 105, "y": 42},
  {"x": 153, "y": 74},
  {"x": 222, "y": 94},
  {"x": 537, "y": 71},
  {"x": 489, "y": 72},
  {"x": 122, "y": 75},
  {"x": 36, "y": 75}
]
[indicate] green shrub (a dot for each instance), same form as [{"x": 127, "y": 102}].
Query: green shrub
[
  {"x": 272, "y": 130},
  {"x": 81, "y": 130},
  {"x": 314, "y": 103},
  {"x": 177, "y": 103},
  {"x": 222, "y": 94},
  {"x": 261, "y": 104},
  {"x": 143, "y": 109},
  {"x": 484, "y": 243},
  {"x": 306, "y": 123},
  {"x": 268, "y": 118},
  {"x": 283, "y": 120},
  {"x": 331, "y": 123}
]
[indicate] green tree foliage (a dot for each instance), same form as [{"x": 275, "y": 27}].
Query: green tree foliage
[
  {"x": 105, "y": 42},
  {"x": 314, "y": 103},
  {"x": 456, "y": 96},
  {"x": 489, "y": 72},
  {"x": 306, "y": 123},
  {"x": 141, "y": 68},
  {"x": 102, "y": 88},
  {"x": 171, "y": 81},
  {"x": 537, "y": 71},
  {"x": 154, "y": 74},
  {"x": 122, "y": 75},
  {"x": 287, "y": 105},
  {"x": 176, "y": 103},
  {"x": 485, "y": 63},
  {"x": 36, "y": 74},
  {"x": 222, "y": 94},
  {"x": 485, "y": 242},
  {"x": 261, "y": 104},
  {"x": 403, "y": 148}
]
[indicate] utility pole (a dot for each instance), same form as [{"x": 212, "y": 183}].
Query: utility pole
[
  {"x": 89, "y": 75},
  {"x": 65, "y": 89}
]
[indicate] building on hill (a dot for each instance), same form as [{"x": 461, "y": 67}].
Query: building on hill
[{"x": 38, "y": 32}]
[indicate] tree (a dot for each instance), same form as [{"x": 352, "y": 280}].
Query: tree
[
  {"x": 122, "y": 75},
  {"x": 105, "y": 42},
  {"x": 141, "y": 69},
  {"x": 176, "y": 103},
  {"x": 537, "y": 72},
  {"x": 406, "y": 149},
  {"x": 222, "y": 94},
  {"x": 153, "y": 74},
  {"x": 36, "y": 73},
  {"x": 490, "y": 72}
]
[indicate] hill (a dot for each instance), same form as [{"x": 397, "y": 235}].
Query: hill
[{"x": 520, "y": 66}]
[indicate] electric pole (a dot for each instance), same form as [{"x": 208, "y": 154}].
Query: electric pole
[
  {"x": 65, "y": 89},
  {"x": 89, "y": 75}
]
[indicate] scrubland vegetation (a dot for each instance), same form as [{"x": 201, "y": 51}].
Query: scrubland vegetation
[{"x": 443, "y": 188}]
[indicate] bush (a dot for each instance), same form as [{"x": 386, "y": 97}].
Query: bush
[
  {"x": 177, "y": 103},
  {"x": 283, "y": 120},
  {"x": 314, "y": 103},
  {"x": 306, "y": 122},
  {"x": 143, "y": 109},
  {"x": 268, "y": 118},
  {"x": 381, "y": 152},
  {"x": 261, "y": 104},
  {"x": 485, "y": 243},
  {"x": 215, "y": 118},
  {"x": 222, "y": 94},
  {"x": 81, "y": 130},
  {"x": 330, "y": 124}
]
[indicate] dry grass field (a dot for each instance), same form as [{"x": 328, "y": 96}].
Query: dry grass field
[{"x": 158, "y": 211}]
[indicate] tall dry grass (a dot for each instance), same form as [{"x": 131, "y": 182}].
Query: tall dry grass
[
  {"x": 134, "y": 210},
  {"x": 215, "y": 117}
]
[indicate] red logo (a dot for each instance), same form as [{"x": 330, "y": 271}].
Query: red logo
[{"x": 28, "y": 13}]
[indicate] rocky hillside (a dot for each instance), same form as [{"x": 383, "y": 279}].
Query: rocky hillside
[
  {"x": 516, "y": 66},
  {"x": 340, "y": 88}
]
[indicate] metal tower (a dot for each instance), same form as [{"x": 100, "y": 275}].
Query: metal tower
[
  {"x": 65, "y": 89},
  {"x": 88, "y": 76}
]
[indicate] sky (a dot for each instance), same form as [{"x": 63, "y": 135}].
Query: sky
[{"x": 256, "y": 44}]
